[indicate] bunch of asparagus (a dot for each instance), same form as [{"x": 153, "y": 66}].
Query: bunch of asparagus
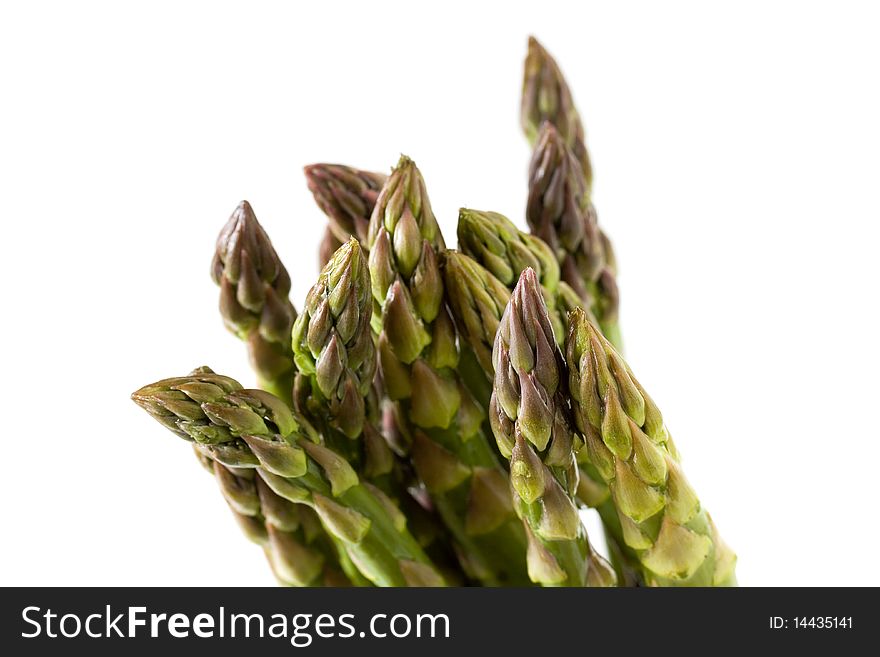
[{"x": 439, "y": 417}]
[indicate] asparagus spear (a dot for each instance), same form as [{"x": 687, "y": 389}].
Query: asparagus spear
[
  {"x": 347, "y": 196},
  {"x": 546, "y": 96},
  {"x": 254, "y": 429},
  {"x": 494, "y": 242},
  {"x": 254, "y": 303},
  {"x": 418, "y": 358},
  {"x": 477, "y": 300},
  {"x": 290, "y": 534},
  {"x": 531, "y": 423},
  {"x": 629, "y": 445},
  {"x": 336, "y": 356},
  {"x": 559, "y": 211},
  {"x": 335, "y": 351}
]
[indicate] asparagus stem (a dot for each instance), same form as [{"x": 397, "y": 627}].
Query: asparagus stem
[
  {"x": 335, "y": 351},
  {"x": 254, "y": 303},
  {"x": 546, "y": 96},
  {"x": 533, "y": 429},
  {"x": 418, "y": 357},
  {"x": 347, "y": 196},
  {"x": 253, "y": 429},
  {"x": 627, "y": 442},
  {"x": 559, "y": 209},
  {"x": 478, "y": 299}
]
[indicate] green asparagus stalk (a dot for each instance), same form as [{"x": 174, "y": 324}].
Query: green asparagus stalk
[
  {"x": 559, "y": 211},
  {"x": 254, "y": 303},
  {"x": 347, "y": 196},
  {"x": 254, "y": 429},
  {"x": 494, "y": 242},
  {"x": 531, "y": 423},
  {"x": 291, "y": 535},
  {"x": 546, "y": 96},
  {"x": 336, "y": 355},
  {"x": 296, "y": 546},
  {"x": 418, "y": 357},
  {"x": 628, "y": 444},
  {"x": 477, "y": 300}
]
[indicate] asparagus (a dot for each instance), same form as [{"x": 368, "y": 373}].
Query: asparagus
[
  {"x": 531, "y": 423},
  {"x": 347, "y": 196},
  {"x": 334, "y": 351},
  {"x": 418, "y": 358},
  {"x": 336, "y": 355},
  {"x": 560, "y": 212},
  {"x": 478, "y": 300},
  {"x": 290, "y": 534},
  {"x": 627, "y": 442},
  {"x": 254, "y": 303},
  {"x": 546, "y": 97},
  {"x": 494, "y": 242},
  {"x": 253, "y": 429},
  {"x": 298, "y": 550}
]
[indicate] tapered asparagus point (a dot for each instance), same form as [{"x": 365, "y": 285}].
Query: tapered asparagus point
[
  {"x": 559, "y": 212},
  {"x": 253, "y": 429},
  {"x": 346, "y": 195},
  {"x": 559, "y": 209},
  {"x": 254, "y": 303},
  {"x": 534, "y": 429},
  {"x": 418, "y": 355},
  {"x": 547, "y": 97},
  {"x": 496, "y": 243},
  {"x": 628, "y": 444},
  {"x": 477, "y": 300},
  {"x": 332, "y": 341}
]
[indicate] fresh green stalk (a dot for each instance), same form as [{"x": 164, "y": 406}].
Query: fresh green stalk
[
  {"x": 290, "y": 534},
  {"x": 546, "y": 96},
  {"x": 254, "y": 429},
  {"x": 347, "y": 196},
  {"x": 531, "y": 423},
  {"x": 335, "y": 351},
  {"x": 560, "y": 212},
  {"x": 418, "y": 357},
  {"x": 629, "y": 446},
  {"x": 296, "y": 546},
  {"x": 494, "y": 242},
  {"x": 335, "y": 354},
  {"x": 254, "y": 303},
  {"x": 477, "y": 300}
]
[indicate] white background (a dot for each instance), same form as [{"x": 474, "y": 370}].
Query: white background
[{"x": 736, "y": 155}]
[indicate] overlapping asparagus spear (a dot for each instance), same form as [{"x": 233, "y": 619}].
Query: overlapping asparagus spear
[
  {"x": 254, "y": 303},
  {"x": 242, "y": 428},
  {"x": 335, "y": 351},
  {"x": 559, "y": 209},
  {"x": 560, "y": 212},
  {"x": 546, "y": 97},
  {"x": 336, "y": 357},
  {"x": 628, "y": 444},
  {"x": 494, "y": 242},
  {"x": 478, "y": 300},
  {"x": 290, "y": 534},
  {"x": 530, "y": 415},
  {"x": 347, "y": 196},
  {"x": 418, "y": 356}
]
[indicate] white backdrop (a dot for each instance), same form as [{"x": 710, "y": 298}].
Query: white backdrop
[{"x": 736, "y": 155}]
